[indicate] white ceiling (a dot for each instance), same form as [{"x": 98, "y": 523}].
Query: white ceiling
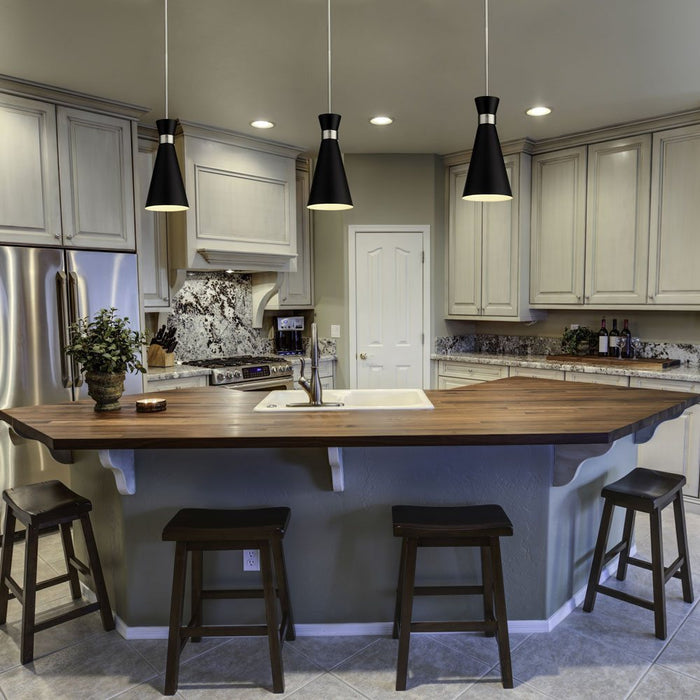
[{"x": 595, "y": 62}]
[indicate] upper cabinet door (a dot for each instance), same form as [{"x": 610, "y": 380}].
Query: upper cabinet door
[
  {"x": 617, "y": 221},
  {"x": 674, "y": 245},
  {"x": 558, "y": 227},
  {"x": 97, "y": 192},
  {"x": 30, "y": 210},
  {"x": 463, "y": 249},
  {"x": 500, "y": 271}
]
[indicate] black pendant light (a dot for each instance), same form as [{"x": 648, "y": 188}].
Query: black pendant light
[
  {"x": 167, "y": 191},
  {"x": 329, "y": 187},
  {"x": 487, "y": 180}
]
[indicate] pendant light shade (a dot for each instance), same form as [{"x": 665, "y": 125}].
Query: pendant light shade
[
  {"x": 329, "y": 189},
  {"x": 167, "y": 191},
  {"x": 487, "y": 180}
]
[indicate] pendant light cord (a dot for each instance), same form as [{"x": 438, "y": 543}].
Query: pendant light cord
[
  {"x": 329, "y": 55},
  {"x": 486, "y": 42},
  {"x": 166, "y": 59}
]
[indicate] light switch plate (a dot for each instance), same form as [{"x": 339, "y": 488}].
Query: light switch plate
[{"x": 335, "y": 331}]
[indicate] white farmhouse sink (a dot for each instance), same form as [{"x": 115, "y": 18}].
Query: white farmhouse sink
[{"x": 349, "y": 400}]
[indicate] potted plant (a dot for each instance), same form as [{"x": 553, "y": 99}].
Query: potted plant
[
  {"x": 106, "y": 349},
  {"x": 576, "y": 341}
]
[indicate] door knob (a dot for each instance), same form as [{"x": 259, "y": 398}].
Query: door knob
[{"x": 363, "y": 355}]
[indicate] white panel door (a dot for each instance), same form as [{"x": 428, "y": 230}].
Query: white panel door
[{"x": 389, "y": 309}]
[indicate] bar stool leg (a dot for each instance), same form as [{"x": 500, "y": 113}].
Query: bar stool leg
[
  {"x": 657, "y": 574},
  {"x": 69, "y": 553},
  {"x": 399, "y": 588},
  {"x": 627, "y": 539},
  {"x": 598, "y": 556},
  {"x": 96, "y": 571},
  {"x": 8, "y": 542},
  {"x": 26, "y": 654},
  {"x": 172, "y": 666},
  {"x": 501, "y": 615},
  {"x": 408, "y": 584},
  {"x": 487, "y": 582},
  {"x": 283, "y": 590},
  {"x": 196, "y": 590},
  {"x": 271, "y": 618},
  {"x": 682, "y": 541}
]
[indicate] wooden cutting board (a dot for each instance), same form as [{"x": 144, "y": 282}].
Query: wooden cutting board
[{"x": 653, "y": 363}]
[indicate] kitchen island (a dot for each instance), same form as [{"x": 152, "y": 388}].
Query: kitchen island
[{"x": 543, "y": 449}]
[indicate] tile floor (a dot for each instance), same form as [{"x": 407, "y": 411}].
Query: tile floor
[{"x": 611, "y": 653}]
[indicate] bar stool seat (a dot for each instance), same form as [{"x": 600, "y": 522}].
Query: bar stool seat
[
  {"x": 452, "y": 526},
  {"x": 197, "y": 530},
  {"x": 38, "y": 507},
  {"x": 647, "y": 491}
]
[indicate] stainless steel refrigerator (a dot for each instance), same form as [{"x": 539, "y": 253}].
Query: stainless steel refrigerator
[{"x": 42, "y": 290}]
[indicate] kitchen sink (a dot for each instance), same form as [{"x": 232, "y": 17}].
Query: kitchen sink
[{"x": 348, "y": 400}]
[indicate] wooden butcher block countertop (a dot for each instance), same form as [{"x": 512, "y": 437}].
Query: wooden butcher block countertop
[{"x": 519, "y": 410}]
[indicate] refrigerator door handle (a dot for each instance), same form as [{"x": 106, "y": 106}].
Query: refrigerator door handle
[
  {"x": 73, "y": 292},
  {"x": 63, "y": 332}
]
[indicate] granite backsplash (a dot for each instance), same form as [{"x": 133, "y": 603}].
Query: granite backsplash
[
  {"x": 213, "y": 317},
  {"x": 540, "y": 345}
]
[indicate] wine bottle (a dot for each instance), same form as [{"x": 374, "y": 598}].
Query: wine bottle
[
  {"x": 603, "y": 339},
  {"x": 614, "y": 340},
  {"x": 625, "y": 340}
]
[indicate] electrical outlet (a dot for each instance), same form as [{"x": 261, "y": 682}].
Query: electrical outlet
[
  {"x": 335, "y": 330},
  {"x": 251, "y": 560}
]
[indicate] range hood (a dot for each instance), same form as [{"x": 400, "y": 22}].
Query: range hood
[{"x": 242, "y": 194}]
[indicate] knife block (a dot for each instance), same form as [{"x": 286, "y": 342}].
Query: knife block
[{"x": 158, "y": 357}]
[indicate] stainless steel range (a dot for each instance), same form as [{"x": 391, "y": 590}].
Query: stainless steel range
[{"x": 249, "y": 372}]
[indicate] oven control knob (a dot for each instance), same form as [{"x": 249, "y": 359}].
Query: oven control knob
[
  {"x": 229, "y": 375},
  {"x": 273, "y": 370},
  {"x": 237, "y": 374},
  {"x": 219, "y": 377}
]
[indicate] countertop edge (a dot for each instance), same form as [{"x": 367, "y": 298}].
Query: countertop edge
[{"x": 683, "y": 373}]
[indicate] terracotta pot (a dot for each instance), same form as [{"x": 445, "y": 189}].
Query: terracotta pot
[{"x": 105, "y": 388}]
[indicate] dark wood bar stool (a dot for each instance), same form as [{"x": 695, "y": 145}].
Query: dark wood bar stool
[
  {"x": 199, "y": 530},
  {"x": 447, "y": 526},
  {"x": 38, "y": 507},
  {"x": 646, "y": 491}
]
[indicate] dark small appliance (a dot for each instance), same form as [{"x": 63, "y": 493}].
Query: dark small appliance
[{"x": 288, "y": 335}]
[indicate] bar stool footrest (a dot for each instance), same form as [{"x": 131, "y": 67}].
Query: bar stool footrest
[
  {"x": 448, "y": 590},
  {"x": 224, "y": 631},
  {"x": 455, "y": 626},
  {"x": 621, "y": 595},
  {"x": 67, "y": 616}
]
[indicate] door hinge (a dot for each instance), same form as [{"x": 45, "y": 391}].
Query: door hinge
[
  {"x": 422, "y": 338},
  {"x": 422, "y": 257}
]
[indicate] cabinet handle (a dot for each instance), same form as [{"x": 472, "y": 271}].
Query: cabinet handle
[
  {"x": 578, "y": 297},
  {"x": 651, "y": 297},
  {"x": 69, "y": 235},
  {"x": 363, "y": 355},
  {"x": 57, "y": 236}
]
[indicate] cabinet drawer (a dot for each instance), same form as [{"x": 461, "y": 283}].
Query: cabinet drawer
[
  {"x": 537, "y": 372},
  {"x": 612, "y": 379},
  {"x": 179, "y": 383},
  {"x": 455, "y": 383},
  {"x": 665, "y": 384},
  {"x": 474, "y": 371}
]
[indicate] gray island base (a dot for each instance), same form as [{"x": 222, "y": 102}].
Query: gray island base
[{"x": 341, "y": 555}]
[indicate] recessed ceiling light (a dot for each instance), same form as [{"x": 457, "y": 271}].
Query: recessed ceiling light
[
  {"x": 381, "y": 121},
  {"x": 262, "y": 124},
  {"x": 538, "y": 111}
]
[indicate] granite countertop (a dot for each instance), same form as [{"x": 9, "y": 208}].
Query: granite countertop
[
  {"x": 175, "y": 372},
  {"x": 686, "y": 373}
]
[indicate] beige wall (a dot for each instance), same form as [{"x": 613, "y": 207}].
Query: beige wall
[{"x": 402, "y": 189}]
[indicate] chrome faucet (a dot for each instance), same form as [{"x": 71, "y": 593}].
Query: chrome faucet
[{"x": 313, "y": 388}]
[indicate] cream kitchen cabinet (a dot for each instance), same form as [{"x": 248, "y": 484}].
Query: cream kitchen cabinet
[
  {"x": 96, "y": 176},
  {"x": 558, "y": 227},
  {"x": 175, "y": 383},
  {"x": 242, "y": 196},
  {"x": 587, "y": 377},
  {"x": 455, "y": 374},
  {"x": 674, "y": 247},
  {"x": 30, "y": 206},
  {"x": 326, "y": 371},
  {"x": 488, "y": 247},
  {"x": 297, "y": 288},
  {"x": 538, "y": 372},
  {"x": 617, "y": 221},
  {"x": 152, "y": 238},
  {"x": 66, "y": 176},
  {"x": 675, "y": 444}
]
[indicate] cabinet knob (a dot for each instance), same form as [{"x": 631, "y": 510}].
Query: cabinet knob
[
  {"x": 69, "y": 235},
  {"x": 363, "y": 355},
  {"x": 57, "y": 235}
]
